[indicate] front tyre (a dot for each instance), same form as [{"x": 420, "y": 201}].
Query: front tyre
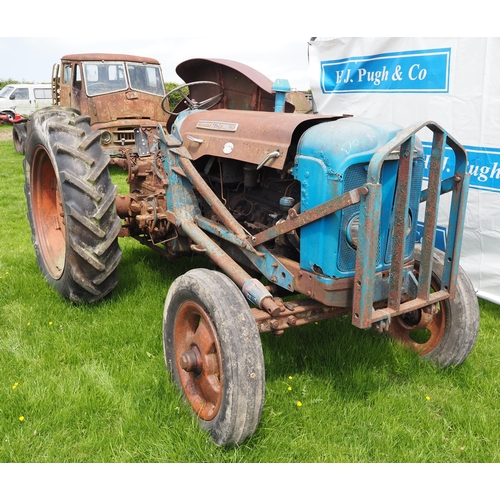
[
  {"x": 448, "y": 334},
  {"x": 19, "y": 137},
  {"x": 71, "y": 205},
  {"x": 213, "y": 350}
]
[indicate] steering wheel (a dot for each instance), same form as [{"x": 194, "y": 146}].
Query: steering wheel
[{"x": 191, "y": 103}]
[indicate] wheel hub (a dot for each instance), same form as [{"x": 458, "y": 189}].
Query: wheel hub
[
  {"x": 198, "y": 358},
  {"x": 191, "y": 361},
  {"x": 421, "y": 330}
]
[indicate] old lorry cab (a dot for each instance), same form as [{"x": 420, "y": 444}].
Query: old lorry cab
[
  {"x": 24, "y": 99},
  {"x": 118, "y": 92}
]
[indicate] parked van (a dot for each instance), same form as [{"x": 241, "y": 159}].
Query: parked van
[{"x": 24, "y": 99}]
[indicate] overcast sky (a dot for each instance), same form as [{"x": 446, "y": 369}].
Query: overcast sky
[
  {"x": 269, "y": 35},
  {"x": 31, "y": 59}
]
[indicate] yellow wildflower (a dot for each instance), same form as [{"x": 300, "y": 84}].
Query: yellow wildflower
[
  {"x": 289, "y": 388},
  {"x": 15, "y": 385},
  {"x": 21, "y": 418},
  {"x": 299, "y": 403},
  {"x": 428, "y": 398}
]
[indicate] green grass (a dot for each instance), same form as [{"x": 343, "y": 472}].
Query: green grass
[{"x": 88, "y": 383}]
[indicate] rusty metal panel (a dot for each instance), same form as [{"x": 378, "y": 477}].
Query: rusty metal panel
[
  {"x": 244, "y": 135},
  {"x": 126, "y": 106},
  {"x": 244, "y": 87},
  {"x": 402, "y": 203},
  {"x": 108, "y": 57}
]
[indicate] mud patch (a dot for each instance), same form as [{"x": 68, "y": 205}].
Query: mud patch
[{"x": 5, "y": 134}]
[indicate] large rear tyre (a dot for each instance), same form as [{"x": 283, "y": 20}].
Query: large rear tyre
[
  {"x": 213, "y": 349},
  {"x": 71, "y": 205},
  {"x": 447, "y": 335}
]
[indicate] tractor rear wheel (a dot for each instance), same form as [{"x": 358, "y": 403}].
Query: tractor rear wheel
[
  {"x": 71, "y": 205},
  {"x": 213, "y": 350},
  {"x": 448, "y": 334}
]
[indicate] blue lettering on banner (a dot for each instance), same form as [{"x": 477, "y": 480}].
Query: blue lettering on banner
[
  {"x": 483, "y": 165},
  {"x": 418, "y": 71}
]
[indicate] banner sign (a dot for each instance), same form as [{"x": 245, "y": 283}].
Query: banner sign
[
  {"x": 414, "y": 71},
  {"x": 483, "y": 165},
  {"x": 453, "y": 81}
]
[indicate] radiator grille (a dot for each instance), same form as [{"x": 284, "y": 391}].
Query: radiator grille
[
  {"x": 354, "y": 177},
  {"x": 124, "y": 137}
]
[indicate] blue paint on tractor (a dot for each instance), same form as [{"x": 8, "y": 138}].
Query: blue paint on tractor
[{"x": 332, "y": 158}]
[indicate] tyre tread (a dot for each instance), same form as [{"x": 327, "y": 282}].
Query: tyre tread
[{"x": 92, "y": 224}]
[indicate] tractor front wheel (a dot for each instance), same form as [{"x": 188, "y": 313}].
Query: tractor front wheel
[
  {"x": 19, "y": 136},
  {"x": 446, "y": 334},
  {"x": 213, "y": 350},
  {"x": 71, "y": 205}
]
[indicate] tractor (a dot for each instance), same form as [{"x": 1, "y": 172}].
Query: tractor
[{"x": 305, "y": 217}]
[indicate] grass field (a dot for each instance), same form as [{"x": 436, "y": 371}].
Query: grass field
[{"x": 87, "y": 384}]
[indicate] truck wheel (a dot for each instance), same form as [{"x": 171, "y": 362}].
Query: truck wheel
[
  {"x": 71, "y": 205},
  {"x": 19, "y": 136},
  {"x": 213, "y": 350},
  {"x": 447, "y": 337}
]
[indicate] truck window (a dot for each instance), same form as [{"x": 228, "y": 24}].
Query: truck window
[
  {"x": 67, "y": 74},
  {"x": 103, "y": 78},
  {"x": 5, "y": 92},
  {"x": 77, "y": 84},
  {"x": 146, "y": 78},
  {"x": 43, "y": 93},
  {"x": 19, "y": 94}
]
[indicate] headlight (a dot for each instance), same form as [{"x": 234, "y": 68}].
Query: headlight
[
  {"x": 106, "y": 137},
  {"x": 352, "y": 230}
]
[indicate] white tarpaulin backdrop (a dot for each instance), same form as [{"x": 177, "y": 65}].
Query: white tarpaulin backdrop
[{"x": 453, "y": 81}]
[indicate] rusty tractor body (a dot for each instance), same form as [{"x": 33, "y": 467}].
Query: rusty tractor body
[{"x": 307, "y": 217}]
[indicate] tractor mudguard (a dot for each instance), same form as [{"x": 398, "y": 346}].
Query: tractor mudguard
[{"x": 244, "y": 87}]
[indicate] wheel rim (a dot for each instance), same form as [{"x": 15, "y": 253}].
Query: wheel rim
[
  {"x": 48, "y": 213},
  {"x": 198, "y": 359},
  {"x": 421, "y": 330}
]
